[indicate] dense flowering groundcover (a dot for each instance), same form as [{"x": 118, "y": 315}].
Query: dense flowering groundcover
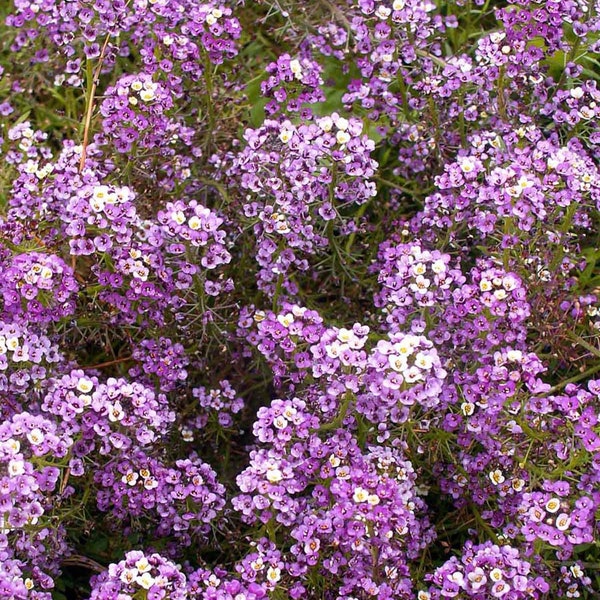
[{"x": 299, "y": 300}]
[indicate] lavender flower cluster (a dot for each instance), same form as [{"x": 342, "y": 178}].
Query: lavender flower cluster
[{"x": 299, "y": 300}]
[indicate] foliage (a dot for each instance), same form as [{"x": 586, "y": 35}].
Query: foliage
[{"x": 299, "y": 299}]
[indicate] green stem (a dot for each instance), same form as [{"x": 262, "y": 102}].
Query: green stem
[
  {"x": 406, "y": 190},
  {"x": 574, "y": 379},
  {"x": 482, "y": 523},
  {"x": 595, "y": 351},
  {"x": 210, "y": 107},
  {"x": 359, "y": 213},
  {"x": 278, "y": 290},
  {"x": 339, "y": 420}
]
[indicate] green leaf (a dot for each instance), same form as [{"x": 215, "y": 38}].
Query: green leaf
[{"x": 257, "y": 112}]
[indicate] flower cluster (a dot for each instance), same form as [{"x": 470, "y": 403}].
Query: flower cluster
[
  {"x": 292, "y": 83},
  {"x": 179, "y": 32},
  {"x": 324, "y": 164},
  {"x": 163, "y": 359},
  {"x": 14, "y": 582},
  {"x": 25, "y": 353},
  {"x": 116, "y": 414},
  {"x": 361, "y": 504},
  {"x": 205, "y": 584},
  {"x": 136, "y": 116},
  {"x": 41, "y": 285},
  {"x": 486, "y": 571},
  {"x": 222, "y": 402},
  {"x": 152, "y": 574},
  {"x": 299, "y": 300},
  {"x": 180, "y": 501}
]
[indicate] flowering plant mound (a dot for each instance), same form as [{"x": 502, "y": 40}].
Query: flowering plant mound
[{"x": 299, "y": 300}]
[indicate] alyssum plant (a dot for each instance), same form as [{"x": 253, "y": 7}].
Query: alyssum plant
[{"x": 299, "y": 300}]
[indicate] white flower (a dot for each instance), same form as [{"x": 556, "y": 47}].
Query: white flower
[
  {"x": 280, "y": 423},
  {"x": 187, "y": 435},
  {"x": 576, "y": 93},
  {"x": 514, "y": 191},
  {"x": 345, "y": 335},
  {"x": 286, "y": 320},
  {"x": 421, "y": 284},
  {"x": 397, "y": 362},
  {"x": 524, "y": 183},
  {"x": 31, "y": 167},
  {"x": 286, "y": 135},
  {"x": 466, "y": 164},
  {"x": 419, "y": 269},
  {"x": 467, "y": 408},
  {"x": 290, "y": 412},
  {"x": 142, "y": 565},
  {"x": 147, "y": 95},
  {"x": 334, "y": 461},
  {"x": 115, "y": 412},
  {"x": 563, "y": 521},
  {"x": 326, "y": 123},
  {"x": 296, "y": 68},
  {"x": 194, "y": 223},
  {"x": 150, "y": 483},
  {"x": 518, "y": 484},
  {"x": 342, "y": 123},
  {"x": 11, "y": 446},
  {"x": 282, "y": 225},
  {"x": 259, "y": 316},
  {"x": 130, "y": 478},
  {"x": 179, "y": 217},
  {"x": 128, "y": 575},
  {"x": 97, "y": 204},
  {"x": 412, "y": 374},
  {"x": 100, "y": 193},
  {"x": 35, "y": 437},
  {"x": 334, "y": 349},
  {"x": 514, "y": 356},
  {"x": 342, "y": 137},
  {"x": 360, "y": 495},
  {"x": 146, "y": 581},
  {"x": 477, "y": 578},
  {"x": 12, "y": 343},
  {"x": 423, "y": 361},
  {"x": 84, "y": 386},
  {"x": 497, "y": 477},
  {"x": 46, "y": 273},
  {"x": 15, "y": 467},
  {"x": 383, "y": 12},
  {"x": 274, "y": 475},
  {"x": 273, "y": 574},
  {"x": 576, "y": 571},
  {"x": 257, "y": 564}
]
